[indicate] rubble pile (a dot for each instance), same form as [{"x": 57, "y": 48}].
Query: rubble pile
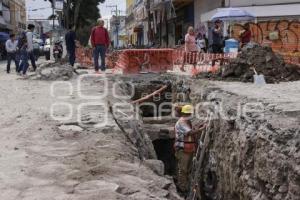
[
  {"x": 54, "y": 71},
  {"x": 265, "y": 62}
]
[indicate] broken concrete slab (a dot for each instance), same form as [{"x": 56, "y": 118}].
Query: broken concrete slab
[{"x": 53, "y": 71}]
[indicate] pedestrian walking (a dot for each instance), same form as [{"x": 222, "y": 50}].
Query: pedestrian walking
[
  {"x": 100, "y": 42},
  {"x": 29, "y": 36},
  {"x": 11, "y": 49},
  {"x": 246, "y": 35},
  {"x": 217, "y": 42},
  {"x": 23, "y": 53},
  {"x": 70, "y": 39},
  {"x": 185, "y": 146},
  {"x": 201, "y": 43},
  {"x": 190, "y": 48}
]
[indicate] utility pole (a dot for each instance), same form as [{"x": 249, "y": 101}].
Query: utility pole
[
  {"x": 149, "y": 22},
  {"x": 53, "y": 13},
  {"x": 67, "y": 13},
  {"x": 117, "y": 21}
]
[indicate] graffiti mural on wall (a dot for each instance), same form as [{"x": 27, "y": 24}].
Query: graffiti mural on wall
[{"x": 282, "y": 35}]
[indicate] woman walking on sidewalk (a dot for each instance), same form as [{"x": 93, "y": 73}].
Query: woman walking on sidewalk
[{"x": 190, "y": 48}]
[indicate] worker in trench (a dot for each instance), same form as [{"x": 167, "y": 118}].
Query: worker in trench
[{"x": 185, "y": 146}]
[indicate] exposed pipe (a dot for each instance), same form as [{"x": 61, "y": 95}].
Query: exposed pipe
[{"x": 163, "y": 88}]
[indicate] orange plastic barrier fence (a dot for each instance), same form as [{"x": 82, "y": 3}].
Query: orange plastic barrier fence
[
  {"x": 84, "y": 56},
  {"x": 199, "y": 58},
  {"x": 145, "y": 60},
  {"x": 132, "y": 61},
  {"x": 160, "y": 60},
  {"x": 201, "y": 62}
]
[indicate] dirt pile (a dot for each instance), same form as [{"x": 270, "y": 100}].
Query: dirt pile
[
  {"x": 265, "y": 61},
  {"x": 53, "y": 71}
]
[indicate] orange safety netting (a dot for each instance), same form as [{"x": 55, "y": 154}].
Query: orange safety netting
[
  {"x": 84, "y": 56},
  {"x": 145, "y": 60},
  {"x": 131, "y": 61},
  {"x": 203, "y": 62}
]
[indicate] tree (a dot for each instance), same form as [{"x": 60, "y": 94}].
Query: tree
[{"x": 83, "y": 14}]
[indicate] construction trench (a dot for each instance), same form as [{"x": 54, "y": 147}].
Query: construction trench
[
  {"x": 252, "y": 146},
  {"x": 250, "y": 149}
]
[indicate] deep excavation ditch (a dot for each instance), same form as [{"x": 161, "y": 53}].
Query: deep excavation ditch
[{"x": 246, "y": 156}]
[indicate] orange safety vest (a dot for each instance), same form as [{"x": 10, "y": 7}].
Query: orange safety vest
[{"x": 190, "y": 145}]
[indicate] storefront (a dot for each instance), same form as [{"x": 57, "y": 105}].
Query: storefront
[
  {"x": 171, "y": 20},
  {"x": 280, "y": 26},
  {"x": 141, "y": 24},
  {"x": 184, "y": 19}
]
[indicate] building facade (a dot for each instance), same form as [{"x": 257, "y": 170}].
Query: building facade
[
  {"x": 137, "y": 22},
  {"x": 158, "y": 23},
  {"x": 12, "y": 15},
  {"x": 5, "y": 21},
  {"x": 205, "y": 9},
  {"x": 129, "y": 21},
  {"x": 272, "y": 17},
  {"x": 18, "y": 15},
  {"x": 118, "y": 31},
  {"x": 163, "y": 23}
]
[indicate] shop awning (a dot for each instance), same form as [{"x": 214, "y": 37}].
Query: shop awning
[{"x": 262, "y": 11}]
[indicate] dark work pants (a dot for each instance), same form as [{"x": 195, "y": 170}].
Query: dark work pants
[
  {"x": 10, "y": 57},
  {"x": 72, "y": 57},
  {"x": 32, "y": 59},
  {"x": 217, "y": 48},
  {"x": 99, "y": 49},
  {"x": 24, "y": 56}
]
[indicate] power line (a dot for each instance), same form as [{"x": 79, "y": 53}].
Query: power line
[{"x": 36, "y": 9}]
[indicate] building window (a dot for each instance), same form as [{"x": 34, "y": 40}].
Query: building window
[
  {"x": 6, "y": 14},
  {"x": 18, "y": 14}
]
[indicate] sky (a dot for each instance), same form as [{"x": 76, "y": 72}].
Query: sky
[{"x": 46, "y": 10}]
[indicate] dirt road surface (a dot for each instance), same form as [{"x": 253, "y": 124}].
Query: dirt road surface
[{"x": 42, "y": 160}]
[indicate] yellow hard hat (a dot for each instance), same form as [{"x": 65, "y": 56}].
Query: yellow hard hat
[{"x": 187, "y": 109}]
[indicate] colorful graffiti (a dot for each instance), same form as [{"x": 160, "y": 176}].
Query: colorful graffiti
[{"x": 286, "y": 34}]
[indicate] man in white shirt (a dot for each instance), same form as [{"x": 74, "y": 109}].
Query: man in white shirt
[
  {"x": 11, "y": 48},
  {"x": 29, "y": 36}
]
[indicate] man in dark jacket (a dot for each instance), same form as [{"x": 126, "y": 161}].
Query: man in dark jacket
[
  {"x": 71, "y": 45},
  {"x": 217, "y": 39},
  {"x": 100, "y": 42}
]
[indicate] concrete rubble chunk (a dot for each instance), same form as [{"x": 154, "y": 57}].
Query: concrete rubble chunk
[
  {"x": 97, "y": 185},
  {"x": 53, "y": 71},
  {"x": 156, "y": 165},
  {"x": 70, "y": 128}
]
